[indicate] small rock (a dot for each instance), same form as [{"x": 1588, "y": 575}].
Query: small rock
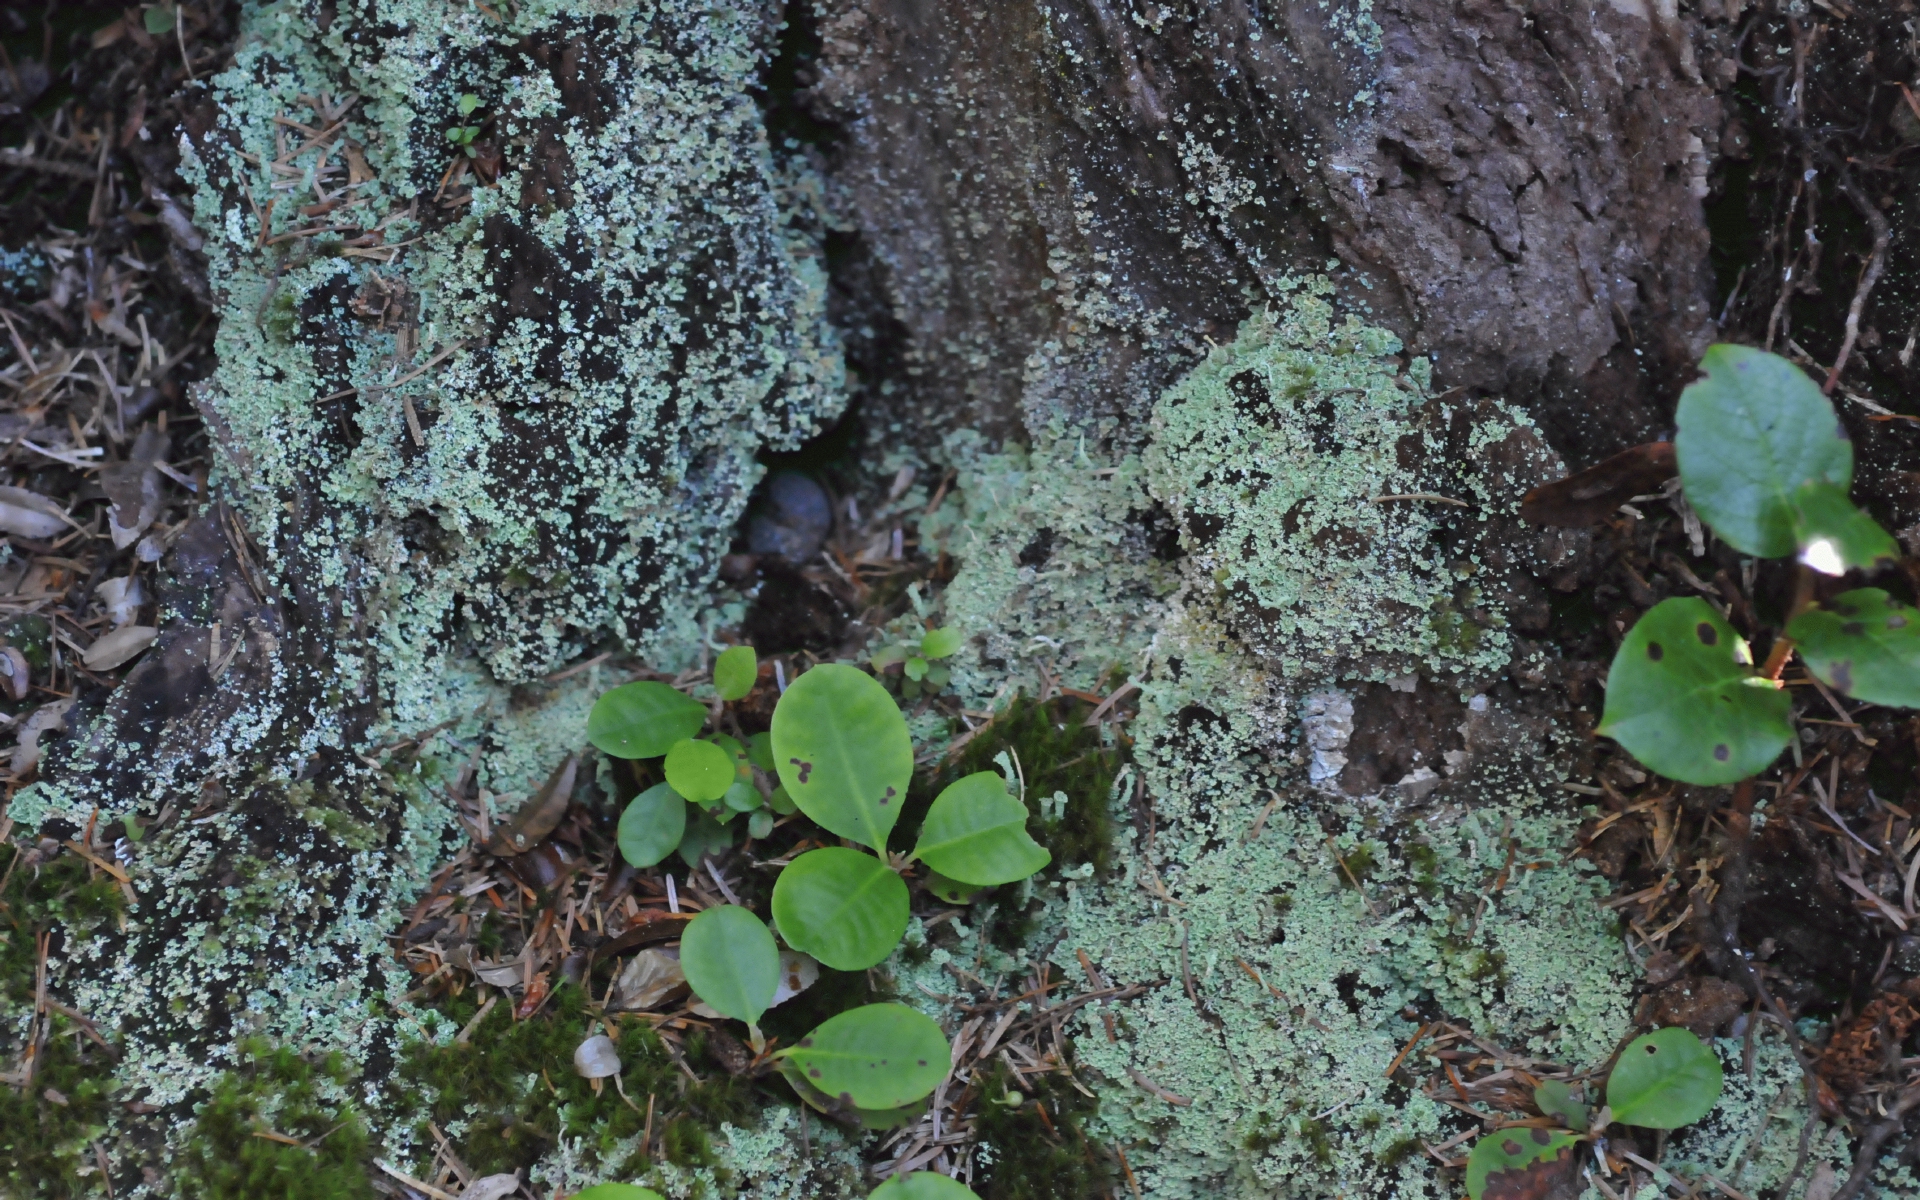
[
  {"x": 796, "y": 521},
  {"x": 596, "y": 1058}
]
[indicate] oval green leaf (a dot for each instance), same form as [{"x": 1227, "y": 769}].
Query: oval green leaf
[
  {"x": 652, "y": 826},
  {"x": 731, "y": 962},
  {"x": 617, "y": 1191},
  {"x": 1526, "y": 1152},
  {"x": 704, "y": 836},
  {"x": 741, "y": 797},
  {"x": 1832, "y": 536},
  {"x": 700, "y": 771},
  {"x": 843, "y": 753},
  {"x": 847, "y": 909},
  {"x": 923, "y": 1185},
  {"x": 643, "y": 720},
  {"x": 876, "y": 1056},
  {"x": 734, "y": 672},
  {"x": 760, "y": 824},
  {"x": 1750, "y": 434},
  {"x": 950, "y": 891},
  {"x": 1554, "y": 1098},
  {"x": 1863, "y": 644},
  {"x": 760, "y": 751},
  {"x": 976, "y": 833},
  {"x": 782, "y": 803},
  {"x": 1683, "y": 699},
  {"x": 941, "y": 643},
  {"x": 1663, "y": 1080}
]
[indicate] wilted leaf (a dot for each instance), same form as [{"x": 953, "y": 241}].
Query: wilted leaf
[
  {"x": 113, "y": 649},
  {"x": 647, "y": 980},
  {"x": 539, "y": 816},
  {"x": 1591, "y": 496},
  {"x": 1520, "y": 1164},
  {"x": 29, "y": 514}
]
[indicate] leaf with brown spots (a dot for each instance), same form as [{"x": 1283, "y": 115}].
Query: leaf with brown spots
[
  {"x": 1523, "y": 1164},
  {"x": 1591, "y": 496},
  {"x": 1863, "y": 644}
]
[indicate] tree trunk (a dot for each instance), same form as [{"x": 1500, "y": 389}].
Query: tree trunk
[{"x": 492, "y": 403}]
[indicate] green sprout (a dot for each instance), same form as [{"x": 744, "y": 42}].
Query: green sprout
[
  {"x": 1765, "y": 462},
  {"x": 922, "y": 1185},
  {"x": 1662, "y": 1080},
  {"x": 840, "y": 750},
  {"x": 920, "y": 662},
  {"x": 463, "y": 135}
]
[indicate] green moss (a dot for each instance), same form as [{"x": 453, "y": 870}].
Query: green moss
[
  {"x": 1030, "y": 1154},
  {"x": 275, "y": 1090},
  {"x": 509, "y": 1094},
  {"x": 48, "y": 1130}
]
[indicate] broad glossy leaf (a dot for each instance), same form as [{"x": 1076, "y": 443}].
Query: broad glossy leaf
[
  {"x": 1519, "y": 1162},
  {"x": 1750, "y": 434},
  {"x": 617, "y": 1191},
  {"x": 643, "y": 720},
  {"x": 977, "y": 833},
  {"x": 951, "y": 891},
  {"x": 840, "y": 1110},
  {"x": 1832, "y": 535},
  {"x": 700, "y": 771},
  {"x": 704, "y": 836},
  {"x": 731, "y": 962},
  {"x": 1663, "y": 1080},
  {"x": 734, "y": 672},
  {"x": 1863, "y": 644},
  {"x": 1554, "y": 1098},
  {"x": 847, "y": 909},
  {"x": 874, "y": 1057},
  {"x": 652, "y": 826},
  {"x": 843, "y": 753},
  {"x": 941, "y": 643},
  {"x": 1683, "y": 699},
  {"x": 923, "y": 1185}
]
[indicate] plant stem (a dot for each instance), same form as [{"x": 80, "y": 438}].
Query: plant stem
[{"x": 1783, "y": 645}]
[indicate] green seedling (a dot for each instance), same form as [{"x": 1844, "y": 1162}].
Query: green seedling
[
  {"x": 843, "y": 752},
  {"x": 920, "y": 663},
  {"x": 1662, "y": 1080},
  {"x": 159, "y": 19},
  {"x": 735, "y": 671},
  {"x": 877, "y": 1056},
  {"x": 976, "y": 833},
  {"x": 653, "y": 826},
  {"x": 847, "y": 909},
  {"x": 840, "y": 747},
  {"x": 922, "y": 1185},
  {"x": 700, "y": 771},
  {"x": 643, "y": 720},
  {"x": 463, "y": 135},
  {"x": 731, "y": 962},
  {"x": 1765, "y": 462}
]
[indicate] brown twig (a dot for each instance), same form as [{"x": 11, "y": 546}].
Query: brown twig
[{"x": 1876, "y": 263}]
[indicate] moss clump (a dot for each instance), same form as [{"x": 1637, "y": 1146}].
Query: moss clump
[
  {"x": 228, "y": 1154},
  {"x": 1037, "y": 1149},
  {"x": 509, "y": 1093},
  {"x": 47, "y": 1130}
]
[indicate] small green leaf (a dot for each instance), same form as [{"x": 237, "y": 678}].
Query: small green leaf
[
  {"x": 1863, "y": 644},
  {"x": 158, "y": 19},
  {"x": 652, "y": 826},
  {"x": 760, "y": 824},
  {"x": 700, "y": 771},
  {"x": 1750, "y": 434},
  {"x": 977, "y": 833},
  {"x": 876, "y": 1056},
  {"x": 1683, "y": 699},
  {"x": 1832, "y": 535},
  {"x": 847, "y": 909},
  {"x": 937, "y": 676},
  {"x": 843, "y": 753},
  {"x": 1518, "y": 1149},
  {"x": 916, "y": 668},
  {"x": 951, "y": 891},
  {"x": 731, "y": 962},
  {"x": 760, "y": 751},
  {"x": 782, "y": 803},
  {"x": 1554, "y": 1098},
  {"x": 735, "y": 671},
  {"x": 941, "y": 643},
  {"x": 467, "y": 103},
  {"x": 704, "y": 836},
  {"x": 741, "y": 797},
  {"x": 1663, "y": 1080},
  {"x": 886, "y": 656},
  {"x": 643, "y": 720},
  {"x": 617, "y": 1191},
  {"x": 923, "y": 1185}
]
